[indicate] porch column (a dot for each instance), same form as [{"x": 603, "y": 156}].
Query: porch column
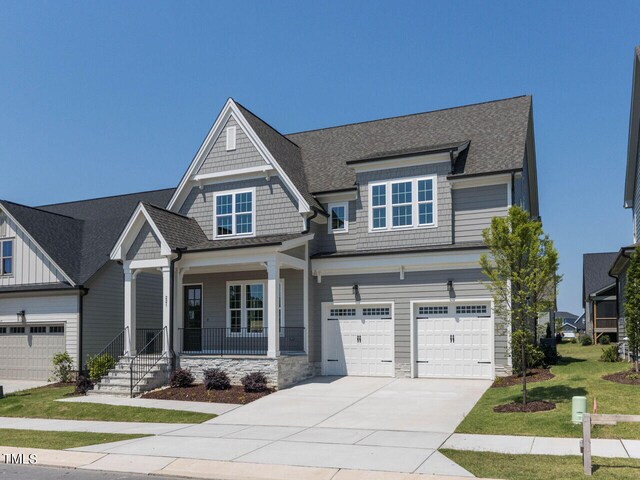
[
  {"x": 130, "y": 311},
  {"x": 273, "y": 294},
  {"x": 166, "y": 307},
  {"x": 305, "y": 299}
]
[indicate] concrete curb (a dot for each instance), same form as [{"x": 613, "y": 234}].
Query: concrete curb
[{"x": 206, "y": 469}]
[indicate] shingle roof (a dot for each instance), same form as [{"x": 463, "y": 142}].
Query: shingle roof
[
  {"x": 595, "y": 272},
  {"x": 497, "y": 132},
  {"x": 261, "y": 241},
  {"x": 79, "y": 236},
  {"x": 177, "y": 230}
]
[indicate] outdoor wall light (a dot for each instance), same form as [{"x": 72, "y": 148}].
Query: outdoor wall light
[
  {"x": 355, "y": 289},
  {"x": 449, "y": 285},
  {"x": 21, "y": 316}
]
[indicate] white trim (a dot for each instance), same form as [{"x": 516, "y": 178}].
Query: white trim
[
  {"x": 229, "y": 110},
  {"x": 232, "y": 175},
  {"x": 230, "y": 140},
  {"x": 46, "y": 255},
  {"x": 243, "y": 308},
  {"x": 401, "y": 162},
  {"x": 331, "y": 197},
  {"x": 233, "y": 214},
  {"x": 482, "y": 181},
  {"x": 325, "y": 310},
  {"x": 4, "y": 240},
  {"x": 183, "y": 307},
  {"x": 452, "y": 302},
  {"x": 415, "y": 210},
  {"x": 330, "y": 207},
  {"x": 132, "y": 229}
]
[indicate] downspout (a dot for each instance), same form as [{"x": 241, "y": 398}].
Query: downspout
[
  {"x": 83, "y": 292},
  {"x": 308, "y": 227},
  {"x": 172, "y": 354}
]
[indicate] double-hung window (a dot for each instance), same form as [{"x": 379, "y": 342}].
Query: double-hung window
[
  {"x": 339, "y": 217},
  {"x": 234, "y": 213},
  {"x": 6, "y": 257},
  {"x": 402, "y": 204},
  {"x": 246, "y": 302}
]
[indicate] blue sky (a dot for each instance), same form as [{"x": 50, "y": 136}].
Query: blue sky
[{"x": 107, "y": 98}]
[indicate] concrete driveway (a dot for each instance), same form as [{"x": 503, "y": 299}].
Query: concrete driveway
[
  {"x": 10, "y": 386},
  {"x": 380, "y": 424}
]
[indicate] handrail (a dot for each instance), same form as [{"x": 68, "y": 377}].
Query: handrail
[
  {"x": 115, "y": 345},
  {"x": 147, "y": 358}
]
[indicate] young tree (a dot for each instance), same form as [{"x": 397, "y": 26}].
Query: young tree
[
  {"x": 521, "y": 269},
  {"x": 632, "y": 306}
]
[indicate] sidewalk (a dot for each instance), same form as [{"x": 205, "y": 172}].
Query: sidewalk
[
  {"x": 541, "y": 445},
  {"x": 46, "y": 424},
  {"x": 200, "y": 407},
  {"x": 207, "y": 469}
]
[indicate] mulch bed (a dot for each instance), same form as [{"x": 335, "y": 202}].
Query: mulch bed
[
  {"x": 197, "y": 393},
  {"x": 538, "y": 406},
  {"x": 628, "y": 377},
  {"x": 533, "y": 375}
]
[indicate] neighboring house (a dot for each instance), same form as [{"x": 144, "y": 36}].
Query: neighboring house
[
  {"x": 350, "y": 250},
  {"x": 58, "y": 289},
  {"x": 571, "y": 325},
  {"x": 631, "y": 194},
  {"x": 599, "y": 295}
]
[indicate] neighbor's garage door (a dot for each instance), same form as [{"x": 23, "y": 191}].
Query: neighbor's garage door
[
  {"x": 358, "y": 341},
  {"x": 454, "y": 341},
  {"x": 26, "y": 353}
]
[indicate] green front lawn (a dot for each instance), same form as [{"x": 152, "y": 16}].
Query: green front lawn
[
  {"x": 41, "y": 403},
  {"x": 541, "y": 467},
  {"x": 57, "y": 440},
  {"x": 578, "y": 373}
]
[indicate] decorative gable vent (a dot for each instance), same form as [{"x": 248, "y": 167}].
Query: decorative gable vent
[{"x": 231, "y": 138}]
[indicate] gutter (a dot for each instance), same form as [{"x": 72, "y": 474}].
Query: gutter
[
  {"x": 308, "y": 219},
  {"x": 171, "y": 299}
]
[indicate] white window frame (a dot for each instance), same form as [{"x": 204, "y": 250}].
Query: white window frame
[
  {"x": 243, "y": 308},
  {"x": 415, "y": 212},
  {"x": 233, "y": 213},
  {"x": 12, "y": 257},
  {"x": 330, "y": 228}
]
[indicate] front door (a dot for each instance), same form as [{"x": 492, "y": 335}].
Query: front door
[{"x": 192, "y": 318}]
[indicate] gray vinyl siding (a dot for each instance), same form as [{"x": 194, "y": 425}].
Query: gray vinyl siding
[
  {"x": 636, "y": 202},
  {"x": 338, "y": 242},
  {"x": 475, "y": 207},
  {"x": 244, "y": 156},
  {"x": 103, "y": 306},
  {"x": 388, "y": 287},
  {"x": 214, "y": 293},
  {"x": 521, "y": 194},
  {"x": 30, "y": 265},
  {"x": 276, "y": 210},
  {"x": 145, "y": 246}
]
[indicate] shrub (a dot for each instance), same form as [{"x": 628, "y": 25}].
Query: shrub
[
  {"x": 610, "y": 354},
  {"x": 83, "y": 384},
  {"x": 62, "y": 367},
  {"x": 181, "y": 378},
  {"x": 604, "y": 340},
  {"x": 534, "y": 355},
  {"x": 216, "y": 379},
  {"x": 586, "y": 341},
  {"x": 550, "y": 353},
  {"x": 573, "y": 340},
  {"x": 99, "y": 366},
  {"x": 254, "y": 382}
]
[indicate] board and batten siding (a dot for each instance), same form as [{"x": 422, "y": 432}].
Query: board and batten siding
[
  {"x": 30, "y": 265},
  {"x": 387, "y": 287},
  {"x": 219, "y": 159},
  {"x": 276, "y": 210},
  {"x": 103, "y": 306},
  {"x": 145, "y": 246},
  {"x": 56, "y": 309},
  {"x": 475, "y": 207}
]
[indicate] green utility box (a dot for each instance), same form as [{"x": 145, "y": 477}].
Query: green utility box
[{"x": 578, "y": 407}]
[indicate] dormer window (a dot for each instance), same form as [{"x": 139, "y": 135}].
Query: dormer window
[
  {"x": 6, "y": 257},
  {"x": 234, "y": 213},
  {"x": 339, "y": 217},
  {"x": 402, "y": 204}
]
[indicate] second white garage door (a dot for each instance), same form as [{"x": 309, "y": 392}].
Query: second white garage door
[
  {"x": 454, "y": 341},
  {"x": 358, "y": 340}
]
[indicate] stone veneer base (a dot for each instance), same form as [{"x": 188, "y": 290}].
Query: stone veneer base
[{"x": 281, "y": 372}]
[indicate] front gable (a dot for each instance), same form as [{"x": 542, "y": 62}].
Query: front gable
[
  {"x": 141, "y": 239},
  {"x": 146, "y": 245}
]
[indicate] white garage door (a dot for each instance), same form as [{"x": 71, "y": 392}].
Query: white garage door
[
  {"x": 454, "y": 341},
  {"x": 26, "y": 352},
  {"x": 358, "y": 340}
]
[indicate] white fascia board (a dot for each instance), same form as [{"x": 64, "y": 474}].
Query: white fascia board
[
  {"x": 128, "y": 235},
  {"x": 228, "y": 257},
  {"x": 231, "y": 109},
  {"x": 480, "y": 181},
  {"x": 296, "y": 242},
  {"x": 293, "y": 262},
  {"x": 401, "y": 162},
  {"x": 232, "y": 175},
  {"x": 333, "y": 197},
  {"x": 146, "y": 264},
  {"x": 44, "y": 252},
  {"x": 394, "y": 262}
]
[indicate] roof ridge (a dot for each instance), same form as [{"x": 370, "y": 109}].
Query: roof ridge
[
  {"x": 407, "y": 115},
  {"x": 103, "y": 198},
  {"x": 166, "y": 210},
  {"x": 38, "y": 209},
  {"x": 268, "y": 125}
]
